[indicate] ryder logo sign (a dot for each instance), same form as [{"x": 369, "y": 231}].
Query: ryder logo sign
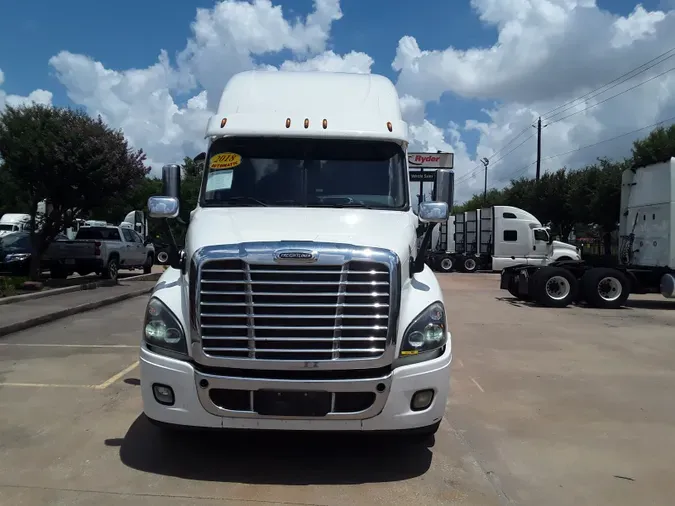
[{"x": 431, "y": 160}]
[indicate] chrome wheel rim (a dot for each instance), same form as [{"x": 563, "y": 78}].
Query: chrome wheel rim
[
  {"x": 446, "y": 264},
  {"x": 609, "y": 288},
  {"x": 557, "y": 287}
]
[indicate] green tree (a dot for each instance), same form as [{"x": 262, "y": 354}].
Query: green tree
[
  {"x": 658, "y": 146},
  {"x": 73, "y": 161}
]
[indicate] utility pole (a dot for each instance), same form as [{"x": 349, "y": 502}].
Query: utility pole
[
  {"x": 485, "y": 163},
  {"x": 538, "y": 148}
]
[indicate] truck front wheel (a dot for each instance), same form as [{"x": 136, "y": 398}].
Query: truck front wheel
[
  {"x": 555, "y": 287},
  {"x": 605, "y": 288}
]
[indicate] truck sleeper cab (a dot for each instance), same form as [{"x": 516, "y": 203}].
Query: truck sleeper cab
[
  {"x": 494, "y": 238},
  {"x": 300, "y": 300}
]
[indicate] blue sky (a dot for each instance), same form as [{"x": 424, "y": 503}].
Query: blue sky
[{"x": 129, "y": 34}]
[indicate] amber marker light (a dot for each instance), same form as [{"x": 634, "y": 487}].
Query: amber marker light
[
  {"x": 390, "y": 126},
  {"x": 325, "y": 123},
  {"x": 223, "y": 122}
]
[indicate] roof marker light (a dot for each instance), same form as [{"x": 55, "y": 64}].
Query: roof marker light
[
  {"x": 389, "y": 126},
  {"x": 223, "y": 122},
  {"x": 288, "y": 122},
  {"x": 325, "y": 123},
  {"x": 306, "y": 122}
]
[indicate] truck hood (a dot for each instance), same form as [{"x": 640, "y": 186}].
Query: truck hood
[
  {"x": 563, "y": 245},
  {"x": 392, "y": 230}
]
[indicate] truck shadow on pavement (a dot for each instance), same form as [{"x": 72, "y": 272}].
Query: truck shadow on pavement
[{"x": 304, "y": 458}]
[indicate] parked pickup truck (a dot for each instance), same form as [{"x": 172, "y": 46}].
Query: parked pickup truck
[{"x": 103, "y": 250}]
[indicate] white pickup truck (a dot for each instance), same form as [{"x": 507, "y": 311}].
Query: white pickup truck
[{"x": 103, "y": 250}]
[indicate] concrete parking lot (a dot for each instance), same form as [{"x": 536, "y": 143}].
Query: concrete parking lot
[{"x": 548, "y": 407}]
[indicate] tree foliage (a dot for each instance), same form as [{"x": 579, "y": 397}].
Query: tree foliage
[
  {"x": 74, "y": 162},
  {"x": 587, "y": 196}
]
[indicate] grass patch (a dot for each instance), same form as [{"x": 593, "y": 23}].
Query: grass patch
[{"x": 10, "y": 285}]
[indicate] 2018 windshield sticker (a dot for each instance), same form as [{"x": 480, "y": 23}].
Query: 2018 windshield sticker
[{"x": 224, "y": 161}]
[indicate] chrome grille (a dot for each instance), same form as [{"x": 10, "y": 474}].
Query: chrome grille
[{"x": 294, "y": 312}]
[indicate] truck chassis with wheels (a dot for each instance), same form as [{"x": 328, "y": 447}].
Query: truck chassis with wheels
[
  {"x": 562, "y": 283},
  {"x": 646, "y": 256}
]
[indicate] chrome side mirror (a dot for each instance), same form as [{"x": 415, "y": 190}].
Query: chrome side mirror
[
  {"x": 163, "y": 207},
  {"x": 433, "y": 212}
]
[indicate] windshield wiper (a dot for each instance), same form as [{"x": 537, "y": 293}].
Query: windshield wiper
[
  {"x": 246, "y": 200},
  {"x": 360, "y": 205}
]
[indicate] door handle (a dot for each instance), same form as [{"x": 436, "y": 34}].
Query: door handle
[{"x": 534, "y": 248}]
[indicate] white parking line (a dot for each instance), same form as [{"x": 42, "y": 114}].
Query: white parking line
[
  {"x": 477, "y": 384},
  {"x": 100, "y": 386},
  {"x": 31, "y": 345}
]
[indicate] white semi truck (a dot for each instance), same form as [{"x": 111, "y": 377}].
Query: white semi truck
[
  {"x": 493, "y": 238},
  {"x": 300, "y": 300},
  {"x": 646, "y": 259}
]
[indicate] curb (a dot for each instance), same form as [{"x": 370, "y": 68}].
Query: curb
[
  {"x": 153, "y": 276},
  {"x": 62, "y": 313}
]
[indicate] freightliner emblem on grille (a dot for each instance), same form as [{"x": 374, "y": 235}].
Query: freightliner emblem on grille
[{"x": 295, "y": 255}]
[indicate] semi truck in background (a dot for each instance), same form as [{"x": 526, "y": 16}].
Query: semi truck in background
[
  {"x": 493, "y": 238},
  {"x": 300, "y": 300},
  {"x": 646, "y": 257}
]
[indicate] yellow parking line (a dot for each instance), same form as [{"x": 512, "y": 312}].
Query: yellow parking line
[
  {"x": 117, "y": 376},
  {"x": 101, "y": 386}
]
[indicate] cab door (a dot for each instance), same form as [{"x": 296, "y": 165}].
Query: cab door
[{"x": 538, "y": 255}]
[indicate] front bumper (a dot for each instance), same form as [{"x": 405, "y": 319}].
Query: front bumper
[{"x": 391, "y": 409}]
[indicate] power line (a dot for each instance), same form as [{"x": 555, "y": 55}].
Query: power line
[
  {"x": 477, "y": 167},
  {"x": 610, "y": 139},
  {"x": 613, "y": 96},
  {"x": 466, "y": 176},
  {"x": 658, "y": 123},
  {"x": 614, "y": 81}
]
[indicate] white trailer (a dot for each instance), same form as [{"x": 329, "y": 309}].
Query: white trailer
[
  {"x": 496, "y": 237},
  {"x": 646, "y": 259}
]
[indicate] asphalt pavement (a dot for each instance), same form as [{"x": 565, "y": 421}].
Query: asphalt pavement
[{"x": 548, "y": 407}]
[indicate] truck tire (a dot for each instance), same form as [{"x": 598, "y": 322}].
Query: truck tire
[
  {"x": 445, "y": 264},
  {"x": 513, "y": 290},
  {"x": 554, "y": 287},
  {"x": 469, "y": 265},
  {"x": 605, "y": 288},
  {"x": 111, "y": 270},
  {"x": 147, "y": 267},
  {"x": 424, "y": 435}
]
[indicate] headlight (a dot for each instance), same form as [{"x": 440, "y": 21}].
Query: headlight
[
  {"x": 426, "y": 333},
  {"x": 16, "y": 257},
  {"x": 162, "y": 329}
]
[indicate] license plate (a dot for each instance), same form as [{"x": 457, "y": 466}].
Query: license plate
[{"x": 291, "y": 403}]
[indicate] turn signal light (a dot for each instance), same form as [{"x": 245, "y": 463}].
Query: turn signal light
[{"x": 223, "y": 122}]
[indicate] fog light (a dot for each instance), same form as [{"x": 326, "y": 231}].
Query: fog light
[
  {"x": 163, "y": 394},
  {"x": 422, "y": 400}
]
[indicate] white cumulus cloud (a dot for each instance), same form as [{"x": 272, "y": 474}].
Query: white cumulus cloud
[
  {"x": 546, "y": 53},
  {"x": 37, "y": 96}
]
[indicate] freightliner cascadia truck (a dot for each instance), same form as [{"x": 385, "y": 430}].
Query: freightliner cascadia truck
[{"x": 300, "y": 299}]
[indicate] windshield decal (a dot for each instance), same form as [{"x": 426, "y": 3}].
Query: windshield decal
[{"x": 224, "y": 161}]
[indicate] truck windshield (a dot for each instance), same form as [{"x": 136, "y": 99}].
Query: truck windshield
[{"x": 305, "y": 173}]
